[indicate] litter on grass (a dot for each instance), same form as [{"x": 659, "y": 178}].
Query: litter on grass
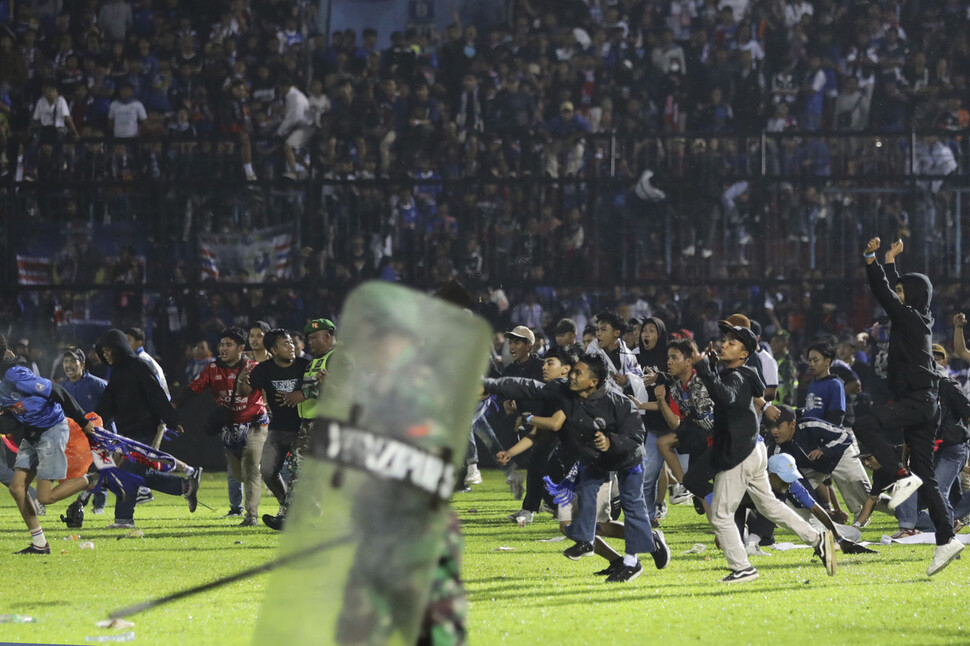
[
  {"x": 697, "y": 549},
  {"x": 17, "y": 619},
  {"x": 121, "y": 637},
  {"x": 554, "y": 539},
  {"x": 87, "y": 545},
  {"x": 118, "y": 624},
  {"x": 504, "y": 549}
]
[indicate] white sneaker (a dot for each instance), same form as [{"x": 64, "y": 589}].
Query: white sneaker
[
  {"x": 943, "y": 555},
  {"x": 251, "y": 177},
  {"x": 680, "y": 495},
  {"x": 474, "y": 476},
  {"x": 903, "y": 489},
  {"x": 753, "y": 549}
]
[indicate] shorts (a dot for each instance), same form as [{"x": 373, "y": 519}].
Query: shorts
[
  {"x": 46, "y": 455},
  {"x": 603, "y": 499},
  {"x": 299, "y": 137}
]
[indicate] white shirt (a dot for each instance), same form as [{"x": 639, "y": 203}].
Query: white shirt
[
  {"x": 156, "y": 370},
  {"x": 319, "y": 106},
  {"x": 769, "y": 368},
  {"x": 126, "y": 117},
  {"x": 51, "y": 114},
  {"x": 297, "y": 112}
]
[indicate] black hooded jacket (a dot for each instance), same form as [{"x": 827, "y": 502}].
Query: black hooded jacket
[
  {"x": 133, "y": 398},
  {"x": 735, "y": 420},
  {"x": 955, "y": 410},
  {"x": 910, "y": 361}
]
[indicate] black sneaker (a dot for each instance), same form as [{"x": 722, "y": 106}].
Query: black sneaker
[
  {"x": 191, "y": 494},
  {"x": 698, "y": 506},
  {"x": 579, "y": 550},
  {"x": 614, "y": 565},
  {"x": 274, "y": 522},
  {"x": 625, "y": 573},
  {"x": 234, "y": 513},
  {"x": 661, "y": 555},
  {"x": 738, "y": 576},
  {"x": 144, "y": 495},
  {"x": 74, "y": 518},
  {"x": 825, "y": 550},
  {"x": 33, "y": 549}
]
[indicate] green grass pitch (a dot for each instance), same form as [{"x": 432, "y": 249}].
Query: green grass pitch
[{"x": 530, "y": 595}]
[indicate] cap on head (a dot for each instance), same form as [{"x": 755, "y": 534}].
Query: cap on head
[
  {"x": 567, "y": 106},
  {"x": 262, "y": 325},
  {"x": 565, "y": 326},
  {"x": 75, "y": 353},
  {"x": 740, "y": 320},
  {"x": 317, "y": 325},
  {"x": 783, "y": 466},
  {"x": 521, "y": 332},
  {"x": 743, "y": 334},
  {"x": 939, "y": 349}
]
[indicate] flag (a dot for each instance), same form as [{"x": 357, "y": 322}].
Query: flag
[
  {"x": 34, "y": 270},
  {"x": 247, "y": 257}
]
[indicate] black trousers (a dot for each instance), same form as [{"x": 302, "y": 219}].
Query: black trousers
[
  {"x": 700, "y": 473},
  {"x": 917, "y": 414},
  {"x": 539, "y": 466}
]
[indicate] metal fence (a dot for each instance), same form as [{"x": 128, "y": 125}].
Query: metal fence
[{"x": 531, "y": 211}]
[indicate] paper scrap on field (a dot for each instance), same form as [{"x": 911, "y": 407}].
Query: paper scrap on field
[
  {"x": 554, "y": 539},
  {"x": 923, "y": 538}
]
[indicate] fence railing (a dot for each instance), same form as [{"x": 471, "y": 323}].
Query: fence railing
[{"x": 771, "y": 205}]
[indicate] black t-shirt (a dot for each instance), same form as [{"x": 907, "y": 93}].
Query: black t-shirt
[{"x": 272, "y": 379}]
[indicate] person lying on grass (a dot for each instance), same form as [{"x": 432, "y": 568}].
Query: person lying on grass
[{"x": 789, "y": 485}]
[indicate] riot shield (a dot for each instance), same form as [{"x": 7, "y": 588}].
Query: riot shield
[{"x": 394, "y": 414}]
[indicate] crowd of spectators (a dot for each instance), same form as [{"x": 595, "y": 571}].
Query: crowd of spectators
[{"x": 606, "y": 140}]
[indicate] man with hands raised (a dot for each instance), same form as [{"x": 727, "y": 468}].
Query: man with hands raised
[{"x": 913, "y": 381}]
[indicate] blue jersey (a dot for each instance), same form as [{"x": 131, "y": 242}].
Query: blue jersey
[
  {"x": 87, "y": 390},
  {"x": 825, "y": 395},
  {"x": 800, "y": 496},
  {"x": 27, "y": 397}
]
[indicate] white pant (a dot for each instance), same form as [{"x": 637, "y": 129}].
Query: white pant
[
  {"x": 751, "y": 477},
  {"x": 850, "y": 477}
]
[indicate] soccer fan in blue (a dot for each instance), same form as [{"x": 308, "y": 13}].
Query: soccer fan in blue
[
  {"x": 822, "y": 451},
  {"x": 86, "y": 389},
  {"x": 789, "y": 484},
  {"x": 40, "y": 405},
  {"x": 826, "y": 394}
]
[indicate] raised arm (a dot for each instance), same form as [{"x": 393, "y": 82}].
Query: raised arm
[
  {"x": 519, "y": 388},
  {"x": 959, "y": 341},
  {"x": 878, "y": 279}
]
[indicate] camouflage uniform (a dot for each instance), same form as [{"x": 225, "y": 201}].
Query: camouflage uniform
[{"x": 447, "y": 611}]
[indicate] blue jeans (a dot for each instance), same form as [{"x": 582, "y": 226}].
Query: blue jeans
[
  {"x": 653, "y": 464},
  {"x": 235, "y": 492},
  {"x": 482, "y": 429},
  {"x": 163, "y": 482},
  {"x": 639, "y": 533},
  {"x": 947, "y": 462}
]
